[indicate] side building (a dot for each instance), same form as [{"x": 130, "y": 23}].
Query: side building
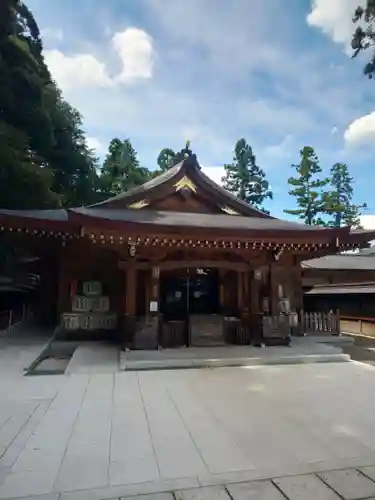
[{"x": 346, "y": 283}]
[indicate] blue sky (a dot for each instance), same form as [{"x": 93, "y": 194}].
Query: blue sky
[{"x": 276, "y": 72}]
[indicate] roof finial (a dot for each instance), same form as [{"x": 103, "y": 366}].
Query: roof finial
[{"x": 187, "y": 151}]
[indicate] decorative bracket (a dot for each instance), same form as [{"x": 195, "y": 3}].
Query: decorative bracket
[
  {"x": 229, "y": 210},
  {"x": 138, "y": 204}
]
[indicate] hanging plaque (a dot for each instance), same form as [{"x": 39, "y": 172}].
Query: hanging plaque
[{"x": 154, "y": 306}]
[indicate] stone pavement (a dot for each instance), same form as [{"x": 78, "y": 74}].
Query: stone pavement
[
  {"x": 347, "y": 484},
  {"x": 94, "y": 357},
  {"x": 96, "y": 436},
  {"x": 302, "y": 350},
  {"x": 108, "y": 435}
]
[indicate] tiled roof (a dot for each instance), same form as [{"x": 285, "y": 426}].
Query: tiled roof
[
  {"x": 181, "y": 219},
  {"x": 341, "y": 262}
]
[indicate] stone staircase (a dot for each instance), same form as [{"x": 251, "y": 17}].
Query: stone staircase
[{"x": 206, "y": 330}]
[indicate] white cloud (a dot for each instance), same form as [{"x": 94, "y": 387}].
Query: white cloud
[
  {"x": 94, "y": 143},
  {"x": 79, "y": 70},
  {"x": 368, "y": 221},
  {"x": 334, "y": 18},
  {"x": 283, "y": 150},
  {"x": 214, "y": 173},
  {"x": 204, "y": 90},
  {"x": 52, "y": 34},
  {"x": 361, "y": 131},
  {"x": 133, "y": 46},
  {"x": 136, "y": 51}
]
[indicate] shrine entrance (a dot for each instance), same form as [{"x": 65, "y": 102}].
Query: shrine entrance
[
  {"x": 192, "y": 295},
  {"x": 189, "y": 291}
]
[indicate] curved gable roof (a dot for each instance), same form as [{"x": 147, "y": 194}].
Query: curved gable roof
[{"x": 188, "y": 167}]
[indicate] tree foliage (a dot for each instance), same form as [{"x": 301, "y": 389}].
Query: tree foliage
[
  {"x": 364, "y": 35},
  {"x": 121, "y": 170},
  {"x": 244, "y": 178},
  {"x": 307, "y": 188},
  {"x": 166, "y": 159},
  {"x": 339, "y": 200},
  {"x": 41, "y": 136}
]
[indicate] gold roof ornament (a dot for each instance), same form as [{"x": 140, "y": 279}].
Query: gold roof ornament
[
  {"x": 187, "y": 148},
  {"x": 185, "y": 183},
  {"x": 229, "y": 210},
  {"x": 138, "y": 204}
]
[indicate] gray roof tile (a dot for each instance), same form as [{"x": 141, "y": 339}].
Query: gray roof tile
[{"x": 194, "y": 219}]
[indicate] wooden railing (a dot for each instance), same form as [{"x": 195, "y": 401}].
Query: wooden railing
[{"x": 320, "y": 323}]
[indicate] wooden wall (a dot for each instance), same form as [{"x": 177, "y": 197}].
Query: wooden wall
[
  {"x": 90, "y": 263},
  {"x": 313, "y": 277}
]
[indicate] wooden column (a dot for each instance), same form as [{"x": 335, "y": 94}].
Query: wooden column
[
  {"x": 246, "y": 290},
  {"x": 273, "y": 289},
  {"x": 155, "y": 288},
  {"x": 221, "y": 290},
  {"x": 240, "y": 291},
  {"x": 297, "y": 287},
  {"x": 63, "y": 291},
  {"x": 255, "y": 284},
  {"x": 131, "y": 291},
  {"x": 147, "y": 285}
]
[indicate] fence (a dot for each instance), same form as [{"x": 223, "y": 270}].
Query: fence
[{"x": 320, "y": 323}]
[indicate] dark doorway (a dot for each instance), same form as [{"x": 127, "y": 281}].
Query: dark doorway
[{"x": 189, "y": 291}]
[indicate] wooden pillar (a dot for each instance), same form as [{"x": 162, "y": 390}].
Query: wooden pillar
[
  {"x": 297, "y": 288},
  {"x": 273, "y": 289},
  {"x": 246, "y": 291},
  {"x": 63, "y": 291},
  {"x": 255, "y": 285},
  {"x": 221, "y": 289},
  {"x": 240, "y": 291},
  {"x": 155, "y": 288},
  {"x": 147, "y": 284},
  {"x": 131, "y": 291}
]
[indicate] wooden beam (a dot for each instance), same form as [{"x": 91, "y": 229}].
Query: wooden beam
[{"x": 168, "y": 265}]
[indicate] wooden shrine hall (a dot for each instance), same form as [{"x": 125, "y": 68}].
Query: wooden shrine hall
[{"x": 176, "y": 261}]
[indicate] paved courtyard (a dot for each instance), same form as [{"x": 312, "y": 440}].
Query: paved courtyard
[{"x": 107, "y": 435}]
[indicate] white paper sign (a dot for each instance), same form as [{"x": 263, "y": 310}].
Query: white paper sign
[{"x": 153, "y": 306}]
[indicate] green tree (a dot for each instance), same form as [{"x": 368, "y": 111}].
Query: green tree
[
  {"x": 31, "y": 108},
  {"x": 339, "y": 200},
  {"x": 24, "y": 182},
  {"x": 121, "y": 170},
  {"x": 244, "y": 178},
  {"x": 364, "y": 34},
  {"x": 307, "y": 188},
  {"x": 73, "y": 164},
  {"x": 166, "y": 159}
]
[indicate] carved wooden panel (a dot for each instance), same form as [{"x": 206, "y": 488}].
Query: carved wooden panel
[{"x": 177, "y": 202}]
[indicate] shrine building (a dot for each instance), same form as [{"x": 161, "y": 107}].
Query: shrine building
[{"x": 177, "y": 254}]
